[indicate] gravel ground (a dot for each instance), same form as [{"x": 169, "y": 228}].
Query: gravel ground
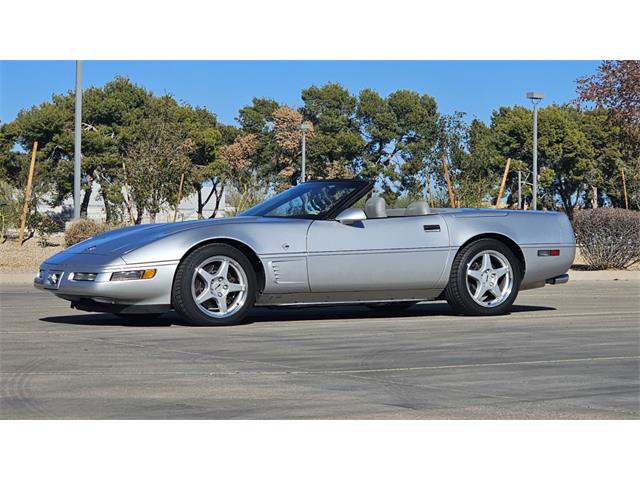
[{"x": 26, "y": 258}]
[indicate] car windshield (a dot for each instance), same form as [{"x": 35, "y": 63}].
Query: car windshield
[{"x": 311, "y": 200}]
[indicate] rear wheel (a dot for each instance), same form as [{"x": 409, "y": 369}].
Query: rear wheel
[
  {"x": 485, "y": 279},
  {"x": 214, "y": 285}
]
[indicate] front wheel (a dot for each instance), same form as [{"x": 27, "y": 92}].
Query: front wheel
[
  {"x": 485, "y": 279},
  {"x": 214, "y": 285}
]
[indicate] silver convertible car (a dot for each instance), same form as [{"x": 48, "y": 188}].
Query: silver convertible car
[{"x": 311, "y": 245}]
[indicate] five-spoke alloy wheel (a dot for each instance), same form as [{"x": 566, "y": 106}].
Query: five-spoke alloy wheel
[
  {"x": 485, "y": 278},
  {"x": 214, "y": 285},
  {"x": 219, "y": 286},
  {"x": 489, "y": 278}
]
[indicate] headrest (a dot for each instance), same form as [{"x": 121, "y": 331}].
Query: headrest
[
  {"x": 375, "y": 207},
  {"x": 417, "y": 208}
]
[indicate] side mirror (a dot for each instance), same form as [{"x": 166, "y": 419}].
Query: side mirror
[{"x": 351, "y": 215}]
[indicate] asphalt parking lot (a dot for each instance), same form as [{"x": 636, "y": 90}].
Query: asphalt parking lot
[{"x": 569, "y": 351}]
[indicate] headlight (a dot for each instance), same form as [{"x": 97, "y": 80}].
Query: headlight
[
  {"x": 84, "y": 276},
  {"x": 133, "y": 275}
]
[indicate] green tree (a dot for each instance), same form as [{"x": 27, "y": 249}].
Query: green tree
[
  {"x": 336, "y": 144},
  {"x": 158, "y": 156},
  {"x": 401, "y": 132},
  {"x": 476, "y": 167},
  {"x": 110, "y": 116},
  {"x": 616, "y": 87},
  {"x": 208, "y": 168},
  {"x": 257, "y": 119},
  {"x": 50, "y": 124},
  {"x": 565, "y": 156},
  {"x": 603, "y": 136}
]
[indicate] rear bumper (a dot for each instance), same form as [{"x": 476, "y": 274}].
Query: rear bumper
[
  {"x": 540, "y": 269},
  {"x": 564, "y": 278}
]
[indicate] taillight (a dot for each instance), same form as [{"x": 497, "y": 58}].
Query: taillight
[{"x": 548, "y": 253}]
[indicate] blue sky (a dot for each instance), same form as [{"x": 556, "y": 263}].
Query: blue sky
[{"x": 474, "y": 87}]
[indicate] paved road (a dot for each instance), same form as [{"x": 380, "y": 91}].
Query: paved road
[{"x": 570, "y": 351}]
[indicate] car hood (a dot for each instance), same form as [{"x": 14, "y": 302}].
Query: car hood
[{"x": 123, "y": 240}]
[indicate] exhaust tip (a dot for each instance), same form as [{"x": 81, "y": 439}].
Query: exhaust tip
[{"x": 564, "y": 278}]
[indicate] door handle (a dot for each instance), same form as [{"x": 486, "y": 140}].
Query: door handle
[{"x": 431, "y": 228}]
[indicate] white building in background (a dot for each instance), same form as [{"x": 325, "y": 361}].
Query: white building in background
[{"x": 187, "y": 210}]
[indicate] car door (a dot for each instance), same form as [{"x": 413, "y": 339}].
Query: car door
[{"x": 394, "y": 253}]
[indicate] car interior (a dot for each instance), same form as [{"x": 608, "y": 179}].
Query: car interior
[{"x": 376, "y": 207}]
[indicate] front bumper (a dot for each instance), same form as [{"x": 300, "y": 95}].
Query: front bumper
[{"x": 156, "y": 291}]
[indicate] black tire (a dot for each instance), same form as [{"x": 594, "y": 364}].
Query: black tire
[
  {"x": 457, "y": 293},
  {"x": 390, "y": 306},
  {"x": 182, "y": 298}
]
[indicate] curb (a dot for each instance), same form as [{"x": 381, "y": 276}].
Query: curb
[
  {"x": 604, "y": 275},
  {"x": 19, "y": 278}
]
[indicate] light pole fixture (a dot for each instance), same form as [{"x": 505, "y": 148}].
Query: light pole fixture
[
  {"x": 77, "y": 150},
  {"x": 304, "y": 127},
  {"x": 519, "y": 190},
  {"x": 535, "y": 98}
]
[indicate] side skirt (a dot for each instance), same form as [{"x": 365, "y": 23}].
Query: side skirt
[{"x": 342, "y": 298}]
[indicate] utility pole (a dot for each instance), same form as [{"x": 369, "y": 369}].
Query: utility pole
[
  {"x": 535, "y": 98},
  {"x": 77, "y": 150},
  {"x": 452, "y": 200},
  {"x": 503, "y": 183},
  {"x": 27, "y": 193}
]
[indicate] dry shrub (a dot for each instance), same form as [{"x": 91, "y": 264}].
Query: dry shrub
[
  {"x": 608, "y": 237},
  {"x": 82, "y": 229},
  {"x": 45, "y": 225}
]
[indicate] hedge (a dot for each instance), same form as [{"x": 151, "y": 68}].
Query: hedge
[{"x": 608, "y": 237}]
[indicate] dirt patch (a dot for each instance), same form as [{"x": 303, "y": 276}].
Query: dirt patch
[{"x": 27, "y": 257}]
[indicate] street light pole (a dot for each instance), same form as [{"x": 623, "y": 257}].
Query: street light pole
[
  {"x": 535, "y": 98},
  {"x": 304, "y": 156},
  {"x": 77, "y": 151},
  {"x": 303, "y": 174},
  {"x": 519, "y": 190},
  {"x": 534, "y": 202}
]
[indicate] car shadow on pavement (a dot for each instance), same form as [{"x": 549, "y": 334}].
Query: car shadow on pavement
[
  {"x": 360, "y": 312},
  {"x": 109, "y": 320},
  {"x": 263, "y": 315}
]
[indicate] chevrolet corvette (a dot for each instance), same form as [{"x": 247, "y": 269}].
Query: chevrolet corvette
[{"x": 318, "y": 243}]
